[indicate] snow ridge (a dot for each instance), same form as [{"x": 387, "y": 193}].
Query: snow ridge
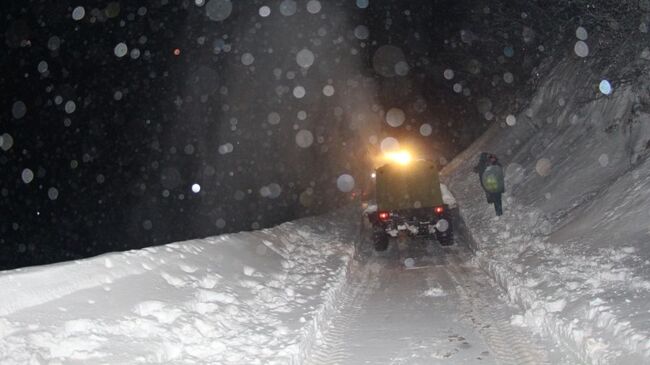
[
  {"x": 248, "y": 298},
  {"x": 24, "y": 288}
]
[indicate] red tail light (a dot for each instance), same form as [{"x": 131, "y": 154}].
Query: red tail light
[
  {"x": 384, "y": 216},
  {"x": 439, "y": 210}
]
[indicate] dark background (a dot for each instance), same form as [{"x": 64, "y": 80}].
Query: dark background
[{"x": 146, "y": 128}]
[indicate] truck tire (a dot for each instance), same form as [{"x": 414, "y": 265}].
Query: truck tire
[
  {"x": 380, "y": 240},
  {"x": 446, "y": 239}
]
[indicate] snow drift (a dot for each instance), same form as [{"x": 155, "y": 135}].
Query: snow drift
[
  {"x": 572, "y": 247},
  {"x": 246, "y": 298}
]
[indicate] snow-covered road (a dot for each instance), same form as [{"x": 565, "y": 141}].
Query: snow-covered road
[
  {"x": 424, "y": 304},
  {"x": 291, "y": 294}
]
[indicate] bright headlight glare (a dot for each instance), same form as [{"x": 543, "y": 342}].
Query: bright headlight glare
[{"x": 400, "y": 157}]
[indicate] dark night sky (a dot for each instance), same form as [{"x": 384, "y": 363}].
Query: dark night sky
[{"x": 115, "y": 144}]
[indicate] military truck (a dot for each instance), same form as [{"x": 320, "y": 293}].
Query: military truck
[{"x": 409, "y": 201}]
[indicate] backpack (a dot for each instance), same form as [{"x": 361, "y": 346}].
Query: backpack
[{"x": 492, "y": 179}]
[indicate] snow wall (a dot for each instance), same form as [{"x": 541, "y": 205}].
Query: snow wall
[
  {"x": 247, "y": 298},
  {"x": 573, "y": 246}
]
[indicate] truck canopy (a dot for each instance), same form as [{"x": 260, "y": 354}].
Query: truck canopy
[{"x": 415, "y": 185}]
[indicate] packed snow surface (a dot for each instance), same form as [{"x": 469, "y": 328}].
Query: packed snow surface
[{"x": 421, "y": 304}]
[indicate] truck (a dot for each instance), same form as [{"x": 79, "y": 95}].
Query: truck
[{"x": 409, "y": 201}]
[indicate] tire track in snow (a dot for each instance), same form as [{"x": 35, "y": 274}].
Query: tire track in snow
[
  {"x": 381, "y": 288},
  {"x": 383, "y": 318},
  {"x": 509, "y": 344},
  {"x": 329, "y": 347}
]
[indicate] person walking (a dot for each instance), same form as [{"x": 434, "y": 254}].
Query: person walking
[{"x": 490, "y": 174}]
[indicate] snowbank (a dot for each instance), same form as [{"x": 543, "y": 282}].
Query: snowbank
[
  {"x": 247, "y": 298},
  {"x": 572, "y": 247}
]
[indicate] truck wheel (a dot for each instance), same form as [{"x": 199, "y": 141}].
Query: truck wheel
[
  {"x": 445, "y": 240},
  {"x": 381, "y": 241}
]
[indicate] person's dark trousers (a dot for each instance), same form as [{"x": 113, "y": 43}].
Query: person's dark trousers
[{"x": 496, "y": 199}]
